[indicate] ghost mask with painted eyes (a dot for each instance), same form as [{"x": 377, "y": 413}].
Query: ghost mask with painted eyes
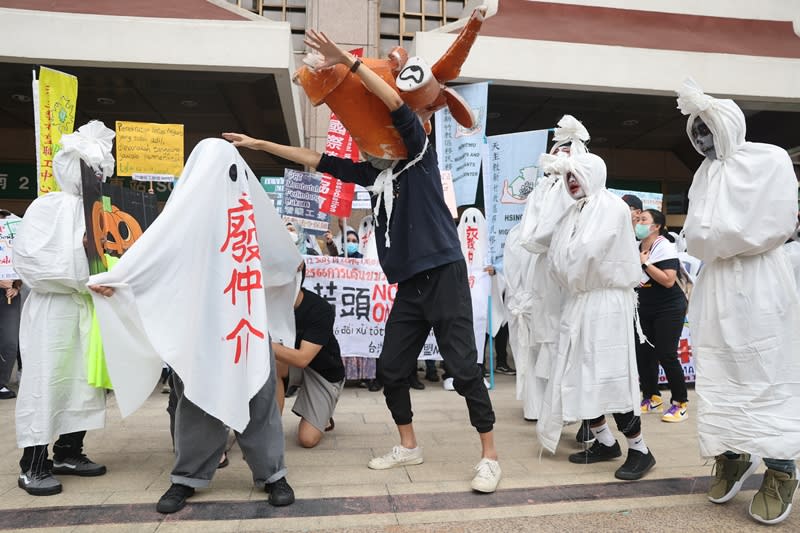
[
  {"x": 703, "y": 139},
  {"x": 574, "y": 187}
]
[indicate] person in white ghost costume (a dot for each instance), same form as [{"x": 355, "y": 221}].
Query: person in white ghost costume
[
  {"x": 544, "y": 209},
  {"x": 594, "y": 371},
  {"x": 206, "y": 294},
  {"x": 55, "y": 399},
  {"x": 744, "y": 314}
]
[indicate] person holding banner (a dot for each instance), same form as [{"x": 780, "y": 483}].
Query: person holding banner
[
  {"x": 594, "y": 372},
  {"x": 427, "y": 264},
  {"x": 745, "y": 312}
]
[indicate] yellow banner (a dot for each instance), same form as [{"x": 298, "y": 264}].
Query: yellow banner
[
  {"x": 58, "y": 94},
  {"x": 149, "y": 148}
]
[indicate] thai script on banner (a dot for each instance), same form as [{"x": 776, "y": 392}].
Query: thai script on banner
[
  {"x": 55, "y": 97},
  {"x": 149, "y": 148},
  {"x": 362, "y": 299},
  {"x": 650, "y": 200},
  {"x": 301, "y": 201},
  {"x": 459, "y": 148},
  {"x": 510, "y": 171}
]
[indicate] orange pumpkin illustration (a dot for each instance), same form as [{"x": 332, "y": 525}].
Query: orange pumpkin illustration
[
  {"x": 420, "y": 86},
  {"x": 114, "y": 232}
]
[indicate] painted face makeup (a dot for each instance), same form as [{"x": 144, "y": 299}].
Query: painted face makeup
[
  {"x": 703, "y": 138},
  {"x": 574, "y": 188}
]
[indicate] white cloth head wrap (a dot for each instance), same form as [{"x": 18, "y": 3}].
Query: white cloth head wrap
[{"x": 91, "y": 142}]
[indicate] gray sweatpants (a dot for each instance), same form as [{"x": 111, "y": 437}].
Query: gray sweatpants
[{"x": 200, "y": 439}]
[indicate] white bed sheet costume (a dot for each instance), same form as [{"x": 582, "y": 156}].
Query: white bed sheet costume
[
  {"x": 49, "y": 255},
  {"x": 594, "y": 370},
  {"x": 744, "y": 313},
  {"x": 543, "y": 297},
  {"x": 203, "y": 289}
]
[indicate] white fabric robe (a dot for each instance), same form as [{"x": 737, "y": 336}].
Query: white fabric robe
[
  {"x": 744, "y": 312},
  {"x": 544, "y": 210},
  {"x": 593, "y": 259},
  {"x": 171, "y": 300},
  {"x": 54, "y": 395}
]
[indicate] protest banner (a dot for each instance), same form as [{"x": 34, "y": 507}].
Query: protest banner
[
  {"x": 115, "y": 218},
  {"x": 684, "y": 356},
  {"x": 449, "y": 192},
  {"x": 362, "y": 299},
  {"x": 301, "y": 201},
  {"x": 149, "y": 148},
  {"x": 55, "y": 97},
  {"x": 7, "y": 232},
  {"x": 337, "y": 197},
  {"x": 510, "y": 171},
  {"x": 459, "y": 148},
  {"x": 650, "y": 200},
  {"x": 274, "y": 189}
]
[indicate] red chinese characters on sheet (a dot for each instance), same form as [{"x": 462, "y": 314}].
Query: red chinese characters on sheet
[
  {"x": 472, "y": 237},
  {"x": 242, "y": 245}
]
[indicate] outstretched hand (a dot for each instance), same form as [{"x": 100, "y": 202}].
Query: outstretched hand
[
  {"x": 320, "y": 42},
  {"x": 241, "y": 140}
]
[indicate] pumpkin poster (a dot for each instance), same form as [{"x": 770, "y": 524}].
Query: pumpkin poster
[{"x": 115, "y": 217}]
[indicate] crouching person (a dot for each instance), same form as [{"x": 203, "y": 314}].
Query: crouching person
[{"x": 315, "y": 362}]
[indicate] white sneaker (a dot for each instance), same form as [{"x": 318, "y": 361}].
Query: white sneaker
[
  {"x": 399, "y": 456},
  {"x": 487, "y": 475},
  {"x": 448, "y": 384}
]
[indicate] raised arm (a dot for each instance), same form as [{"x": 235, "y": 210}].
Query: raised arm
[
  {"x": 334, "y": 55},
  {"x": 302, "y": 156}
]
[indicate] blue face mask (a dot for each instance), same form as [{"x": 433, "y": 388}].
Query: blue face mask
[
  {"x": 352, "y": 247},
  {"x": 642, "y": 231}
]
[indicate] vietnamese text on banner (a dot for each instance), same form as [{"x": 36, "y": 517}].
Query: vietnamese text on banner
[{"x": 459, "y": 148}]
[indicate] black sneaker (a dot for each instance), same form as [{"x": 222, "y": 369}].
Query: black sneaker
[
  {"x": 374, "y": 385},
  {"x": 415, "y": 383},
  {"x": 505, "y": 369},
  {"x": 6, "y": 393},
  {"x": 598, "y": 452},
  {"x": 77, "y": 466},
  {"x": 585, "y": 435},
  {"x": 280, "y": 493},
  {"x": 174, "y": 499},
  {"x": 636, "y": 465},
  {"x": 39, "y": 483}
]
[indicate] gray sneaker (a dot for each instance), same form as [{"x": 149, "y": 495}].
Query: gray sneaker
[
  {"x": 39, "y": 484},
  {"x": 78, "y": 466}
]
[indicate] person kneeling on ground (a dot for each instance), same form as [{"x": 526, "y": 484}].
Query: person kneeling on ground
[{"x": 318, "y": 360}]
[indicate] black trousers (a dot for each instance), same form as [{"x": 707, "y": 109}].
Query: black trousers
[
  {"x": 500, "y": 346},
  {"x": 438, "y": 298},
  {"x": 67, "y": 445},
  {"x": 663, "y": 331},
  {"x": 627, "y": 423}
]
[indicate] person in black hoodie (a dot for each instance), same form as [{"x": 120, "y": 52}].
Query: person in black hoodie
[{"x": 418, "y": 248}]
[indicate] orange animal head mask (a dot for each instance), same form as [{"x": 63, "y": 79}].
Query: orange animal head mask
[{"x": 419, "y": 85}]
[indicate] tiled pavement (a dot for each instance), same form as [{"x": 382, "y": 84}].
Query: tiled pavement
[{"x": 336, "y": 491}]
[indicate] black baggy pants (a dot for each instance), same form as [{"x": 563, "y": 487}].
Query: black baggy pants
[{"x": 438, "y": 298}]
